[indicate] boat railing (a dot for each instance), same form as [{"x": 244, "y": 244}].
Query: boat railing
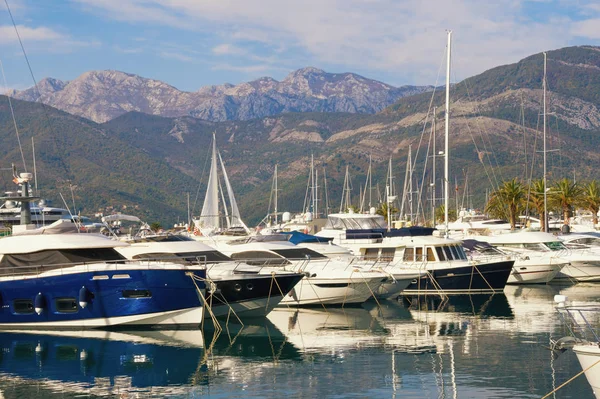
[
  {"x": 14, "y": 272},
  {"x": 582, "y": 321}
]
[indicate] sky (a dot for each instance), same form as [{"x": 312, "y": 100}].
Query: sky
[{"x": 193, "y": 43}]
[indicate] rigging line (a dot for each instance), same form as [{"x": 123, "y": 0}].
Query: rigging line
[
  {"x": 533, "y": 152},
  {"x": 425, "y": 126},
  {"x": 478, "y": 114},
  {"x": 481, "y": 133},
  {"x": 420, "y": 191},
  {"x": 524, "y": 133},
  {"x": 58, "y": 148},
  {"x": 485, "y": 169},
  {"x": 12, "y": 112},
  {"x": 556, "y": 119},
  {"x": 430, "y": 106}
]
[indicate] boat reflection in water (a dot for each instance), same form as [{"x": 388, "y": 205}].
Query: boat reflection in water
[
  {"x": 155, "y": 363},
  {"x": 101, "y": 362},
  {"x": 328, "y": 331}
]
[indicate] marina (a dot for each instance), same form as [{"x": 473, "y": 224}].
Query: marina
[{"x": 187, "y": 243}]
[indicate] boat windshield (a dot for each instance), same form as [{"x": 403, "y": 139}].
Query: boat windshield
[
  {"x": 555, "y": 245},
  {"x": 299, "y": 253},
  {"x": 350, "y": 223}
]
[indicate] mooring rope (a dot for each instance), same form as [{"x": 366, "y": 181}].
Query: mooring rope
[{"x": 570, "y": 379}]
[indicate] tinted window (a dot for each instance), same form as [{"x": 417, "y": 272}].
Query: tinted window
[
  {"x": 66, "y": 305},
  {"x": 23, "y": 306},
  {"x": 298, "y": 253},
  {"x": 440, "y": 253}
]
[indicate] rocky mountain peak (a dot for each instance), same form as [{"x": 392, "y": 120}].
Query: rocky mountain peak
[{"x": 104, "y": 95}]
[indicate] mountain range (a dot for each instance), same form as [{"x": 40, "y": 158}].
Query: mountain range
[
  {"x": 150, "y": 162},
  {"x": 104, "y": 95}
]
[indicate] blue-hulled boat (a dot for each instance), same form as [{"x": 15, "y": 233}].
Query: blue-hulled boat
[{"x": 81, "y": 281}]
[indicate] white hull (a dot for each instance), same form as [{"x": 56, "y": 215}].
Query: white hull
[
  {"x": 580, "y": 271},
  {"x": 332, "y": 291},
  {"x": 181, "y": 317},
  {"x": 525, "y": 272},
  {"x": 392, "y": 289},
  {"x": 589, "y": 358},
  {"x": 253, "y": 308}
]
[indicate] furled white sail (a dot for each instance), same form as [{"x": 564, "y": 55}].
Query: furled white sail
[
  {"x": 209, "y": 217},
  {"x": 236, "y": 219}
]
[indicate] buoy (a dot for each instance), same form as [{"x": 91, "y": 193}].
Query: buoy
[
  {"x": 84, "y": 296},
  {"x": 39, "y": 303}
]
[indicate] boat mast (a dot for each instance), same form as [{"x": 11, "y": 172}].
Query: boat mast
[
  {"x": 544, "y": 124},
  {"x": 275, "y": 184},
  {"x": 446, "y": 130},
  {"x": 390, "y": 197},
  {"x": 433, "y": 178}
]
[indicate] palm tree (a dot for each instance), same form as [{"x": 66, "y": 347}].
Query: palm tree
[
  {"x": 383, "y": 211},
  {"x": 440, "y": 214},
  {"x": 565, "y": 194},
  {"x": 511, "y": 195},
  {"x": 590, "y": 199},
  {"x": 535, "y": 199}
]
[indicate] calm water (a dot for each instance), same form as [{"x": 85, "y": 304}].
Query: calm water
[{"x": 479, "y": 346}]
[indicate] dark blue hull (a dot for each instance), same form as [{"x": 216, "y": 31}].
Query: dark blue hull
[
  {"x": 131, "y": 297},
  {"x": 251, "y": 295},
  {"x": 486, "y": 277}
]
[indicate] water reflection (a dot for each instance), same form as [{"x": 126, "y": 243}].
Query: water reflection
[
  {"x": 472, "y": 346},
  {"x": 102, "y": 363}
]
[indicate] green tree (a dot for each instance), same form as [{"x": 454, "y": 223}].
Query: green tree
[
  {"x": 510, "y": 195},
  {"x": 535, "y": 200},
  {"x": 565, "y": 194},
  {"x": 155, "y": 226},
  {"x": 383, "y": 211},
  {"x": 440, "y": 214},
  {"x": 590, "y": 199}
]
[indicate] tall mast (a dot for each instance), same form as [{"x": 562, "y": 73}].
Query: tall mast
[
  {"x": 446, "y": 130},
  {"x": 433, "y": 179},
  {"x": 275, "y": 184},
  {"x": 544, "y": 124}
]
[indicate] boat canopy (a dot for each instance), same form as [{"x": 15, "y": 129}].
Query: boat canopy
[
  {"x": 119, "y": 216},
  {"x": 297, "y": 237}
]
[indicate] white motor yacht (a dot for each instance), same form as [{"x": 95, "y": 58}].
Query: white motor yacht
[
  {"x": 327, "y": 281},
  {"x": 539, "y": 256},
  {"x": 442, "y": 262},
  {"x": 584, "y": 257}
]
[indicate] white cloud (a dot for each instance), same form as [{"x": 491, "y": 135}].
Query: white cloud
[
  {"x": 386, "y": 35},
  {"x": 42, "y": 39},
  {"x": 228, "y": 49},
  {"x": 176, "y": 56},
  {"x": 27, "y": 34},
  {"x": 589, "y": 28},
  {"x": 248, "y": 69}
]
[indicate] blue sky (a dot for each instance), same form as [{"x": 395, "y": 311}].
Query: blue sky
[{"x": 193, "y": 43}]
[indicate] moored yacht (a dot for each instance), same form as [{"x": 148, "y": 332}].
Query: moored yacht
[
  {"x": 81, "y": 281},
  {"x": 539, "y": 256},
  {"x": 442, "y": 262},
  {"x": 584, "y": 257},
  {"x": 326, "y": 281},
  {"x": 233, "y": 287}
]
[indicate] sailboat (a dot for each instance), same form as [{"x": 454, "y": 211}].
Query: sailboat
[{"x": 215, "y": 209}]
